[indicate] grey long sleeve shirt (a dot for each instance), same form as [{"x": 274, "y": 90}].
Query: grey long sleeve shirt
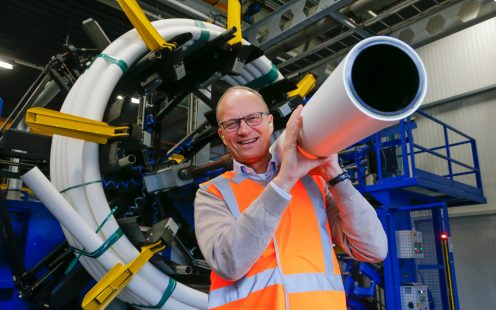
[{"x": 232, "y": 246}]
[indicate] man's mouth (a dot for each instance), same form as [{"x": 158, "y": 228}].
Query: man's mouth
[{"x": 248, "y": 141}]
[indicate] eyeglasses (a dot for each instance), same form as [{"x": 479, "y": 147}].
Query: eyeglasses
[{"x": 251, "y": 120}]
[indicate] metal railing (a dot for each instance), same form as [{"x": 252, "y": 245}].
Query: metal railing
[{"x": 391, "y": 154}]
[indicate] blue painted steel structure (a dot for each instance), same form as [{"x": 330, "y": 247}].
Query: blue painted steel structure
[
  {"x": 409, "y": 197},
  {"x": 38, "y": 232}
]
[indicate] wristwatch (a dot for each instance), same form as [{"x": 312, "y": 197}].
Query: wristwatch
[{"x": 339, "y": 178}]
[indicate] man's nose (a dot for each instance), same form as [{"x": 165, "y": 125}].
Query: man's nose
[{"x": 243, "y": 127}]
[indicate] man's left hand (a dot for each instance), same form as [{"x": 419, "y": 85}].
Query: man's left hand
[{"x": 329, "y": 169}]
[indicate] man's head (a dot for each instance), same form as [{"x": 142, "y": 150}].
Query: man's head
[{"x": 249, "y": 143}]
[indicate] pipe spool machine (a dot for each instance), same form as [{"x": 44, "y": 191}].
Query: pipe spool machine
[{"x": 380, "y": 81}]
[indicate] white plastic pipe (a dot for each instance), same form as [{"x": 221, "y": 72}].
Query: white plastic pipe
[
  {"x": 381, "y": 81},
  {"x": 68, "y": 217}
]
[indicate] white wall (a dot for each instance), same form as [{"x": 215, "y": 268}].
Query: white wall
[
  {"x": 461, "y": 71},
  {"x": 462, "y": 62},
  {"x": 459, "y": 67},
  {"x": 475, "y": 116},
  {"x": 474, "y": 244}
]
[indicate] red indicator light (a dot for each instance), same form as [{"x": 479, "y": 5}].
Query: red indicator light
[{"x": 444, "y": 236}]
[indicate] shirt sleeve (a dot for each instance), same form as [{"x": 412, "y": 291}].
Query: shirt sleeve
[
  {"x": 354, "y": 224},
  {"x": 231, "y": 246}
]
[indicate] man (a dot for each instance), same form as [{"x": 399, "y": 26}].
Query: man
[{"x": 265, "y": 228}]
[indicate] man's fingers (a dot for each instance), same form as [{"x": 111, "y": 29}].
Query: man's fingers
[{"x": 294, "y": 125}]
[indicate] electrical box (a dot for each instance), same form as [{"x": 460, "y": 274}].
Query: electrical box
[
  {"x": 409, "y": 244},
  {"x": 414, "y": 297}
]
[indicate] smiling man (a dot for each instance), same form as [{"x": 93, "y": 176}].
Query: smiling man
[{"x": 266, "y": 228}]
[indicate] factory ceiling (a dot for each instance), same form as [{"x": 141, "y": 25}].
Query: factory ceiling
[{"x": 31, "y": 31}]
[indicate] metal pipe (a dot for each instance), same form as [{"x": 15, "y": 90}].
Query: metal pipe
[
  {"x": 194, "y": 172},
  {"x": 127, "y": 161},
  {"x": 297, "y": 39},
  {"x": 183, "y": 269},
  {"x": 381, "y": 81},
  {"x": 361, "y": 6}
]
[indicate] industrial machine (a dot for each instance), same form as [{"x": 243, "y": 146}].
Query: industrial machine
[
  {"x": 409, "y": 244},
  {"x": 414, "y": 297},
  {"x": 123, "y": 191}
]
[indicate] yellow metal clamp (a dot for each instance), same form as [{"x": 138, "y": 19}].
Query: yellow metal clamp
[
  {"x": 304, "y": 86},
  {"x": 48, "y": 122},
  {"x": 218, "y": 4},
  {"x": 148, "y": 33},
  {"x": 107, "y": 289},
  {"x": 178, "y": 158},
  {"x": 234, "y": 20}
]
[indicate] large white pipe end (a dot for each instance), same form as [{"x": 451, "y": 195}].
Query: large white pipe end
[
  {"x": 380, "y": 81},
  {"x": 385, "y": 78}
]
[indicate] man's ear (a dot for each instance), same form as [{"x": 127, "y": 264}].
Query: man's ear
[
  {"x": 221, "y": 135},
  {"x": 271, "y": 120}
]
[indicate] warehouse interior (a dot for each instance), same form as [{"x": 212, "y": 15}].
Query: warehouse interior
[{"x": 139, "y": 136}]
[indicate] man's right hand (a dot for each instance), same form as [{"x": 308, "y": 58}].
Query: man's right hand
[{"x": 293, "y": 164}]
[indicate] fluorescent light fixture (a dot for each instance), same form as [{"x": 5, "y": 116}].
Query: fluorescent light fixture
[
  {"x": 6, "y": 65},
  {"x": 135, "y": 100},
  {"x": 119, "y": 97},
  {"x": 374, "y": 15}
]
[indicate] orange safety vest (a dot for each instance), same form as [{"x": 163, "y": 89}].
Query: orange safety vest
[{"x": 298, "y": 269}]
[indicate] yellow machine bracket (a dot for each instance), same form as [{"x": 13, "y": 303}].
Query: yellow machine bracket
[
  {"x": 217, "y": 4},
  {"x": 148, "y": 33},
  {"x": 304, "y": 86},
  {"x": 107, "y": 289},
  {"x": 234, "y": 20},
  {"x": 48, "y": 122}
]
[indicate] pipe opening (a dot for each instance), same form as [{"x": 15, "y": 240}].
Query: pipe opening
[{"x": 385, "y": 78}]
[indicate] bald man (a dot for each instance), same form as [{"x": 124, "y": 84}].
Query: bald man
[{"x": 267, "y": 228}]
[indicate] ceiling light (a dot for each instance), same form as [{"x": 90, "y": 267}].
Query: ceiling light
[
  {"x": 6, "y": 65},
  {"x": 373, "y": 14},
  {"x": 135, "y": 100},
  {"x": 119, "y": 97}
]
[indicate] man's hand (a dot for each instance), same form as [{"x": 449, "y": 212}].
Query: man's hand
[
  {"x": 329, "y": 169},
  {"x": 294, "y": 165}
]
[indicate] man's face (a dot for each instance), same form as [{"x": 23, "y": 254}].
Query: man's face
[{"x": 248, "y": 145}]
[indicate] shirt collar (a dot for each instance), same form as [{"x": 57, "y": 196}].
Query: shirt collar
[{"x": 248, "y": 172}]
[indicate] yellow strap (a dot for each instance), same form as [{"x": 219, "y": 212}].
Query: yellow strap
[
  {"x": 304, "y": 86},
  {"x": 234, "y": 20},
  {"x": 110, "y": 285},
  {"x": 48, "y": 122},
  {"x": 147, "y": 32}
]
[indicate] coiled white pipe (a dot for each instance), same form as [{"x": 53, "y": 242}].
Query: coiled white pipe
[{"x": 75, "y": 162}]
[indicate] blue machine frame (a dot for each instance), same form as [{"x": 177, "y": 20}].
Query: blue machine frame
[
  {"x": 39, "y": 233},
  {"x": 408, "y": 190}
]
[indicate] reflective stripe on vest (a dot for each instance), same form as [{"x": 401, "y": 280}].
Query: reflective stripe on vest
[
  {"x": 319, "y": 207},
  {"x": 223, "y": 186},
  {"x": 244, "y": 287},
  {"x": 292, "y": 283}
]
